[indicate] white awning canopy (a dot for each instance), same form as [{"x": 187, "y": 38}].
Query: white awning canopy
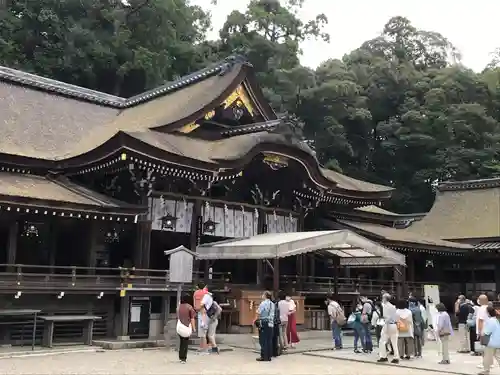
[{"x": 352, "y": 249}]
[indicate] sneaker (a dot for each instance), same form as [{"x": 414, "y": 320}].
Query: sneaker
[
  {"x": 443, "y": 362},
  {"x": 183, "y": 362},
  {"x": 407, "y": 357},
  {"x": 381, "y": 360},
  {"x": 395, "y": 361},
  {"x": 357, "y": 351}
]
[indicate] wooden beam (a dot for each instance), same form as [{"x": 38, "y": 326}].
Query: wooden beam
[{"x": 12, "y": 244}]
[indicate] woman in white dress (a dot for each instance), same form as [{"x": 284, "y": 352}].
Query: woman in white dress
[{"x": 433, "y": 319}]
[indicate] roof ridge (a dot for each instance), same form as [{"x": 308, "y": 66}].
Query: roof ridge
[
  {"x": 101, "y": 98},
  {"x": 485, "y": 183}
]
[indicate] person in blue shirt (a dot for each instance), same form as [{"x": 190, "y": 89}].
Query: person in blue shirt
[
  {"x": 265, "y": 323},
  {"x": 357, "y": 328},
  {"x": 491, "y": 334}
]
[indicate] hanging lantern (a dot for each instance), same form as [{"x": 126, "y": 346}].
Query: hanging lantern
[
  {"x": 209, "y": 226},
  {"x": 30, "y": 230},
  {"x": 112, "y": 236},
  {"x": 168, "y": 222}
]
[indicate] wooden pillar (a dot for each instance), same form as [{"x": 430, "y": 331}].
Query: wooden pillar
[
  {"x": 261, "y": 228},
  {"x": 165, "y": 310},
  {"x": 146, "y": 228},
  {"x": 12, "y": 244},
  {"x": 276, "y": 276},
  {"x": 195, "y": 235},
  {"x": 399, "y": 278},
  {"x": 302, "y": 258},
  {"x": 300, "y": 272},
  {"x": 122, "y": 328},
  {"x": 410, "y": 261},
  {"x": 473, "y": 278},
  {"x": 336, "y": 270},
  {"x": 497, "y": 275},
  {"x": 312, "y": 266},
  {"x": 93, "y": 244},
  {"x": 53, "y": 237}
]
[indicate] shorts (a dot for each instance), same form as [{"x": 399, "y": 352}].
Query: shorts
[
  {"x": 201, "y": 331},
  {"x": 210, "y": 330},
  {"x": 212, "y": 327}
]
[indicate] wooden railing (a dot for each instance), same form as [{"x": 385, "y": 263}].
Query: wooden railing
[
  {"x": 362, "y": 286},
  {"x": 19, "y": 277}
]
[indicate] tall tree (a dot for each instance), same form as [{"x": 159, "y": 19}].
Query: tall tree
[{"x": 120, "y": 47}]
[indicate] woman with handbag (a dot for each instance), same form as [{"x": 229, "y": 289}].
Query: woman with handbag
[
  {"x": 291, "y": 334},
  {"x": 490, "y": 339},
  {"x": 443, "y": 330},
  {"x": 185, "y": 324}
]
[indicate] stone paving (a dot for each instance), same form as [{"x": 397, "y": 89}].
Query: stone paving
[
  {"x": 310, "y": 356},
  {"x": 161, "y": 361}
]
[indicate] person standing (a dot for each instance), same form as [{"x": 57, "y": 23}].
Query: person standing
[
  {"x": 389, "y": 333},
  {"x": 491, "y": 339},
  {"x": 405, "y": 330},
  {"x": 423, "y": 312},
  {"x": 418, "y": 326},
  {"x": 356, "y": 325},
  {"x": 471, "y": 322},
  {"x": 463, "y": 311},
  {"x": 186, "y": 316},
  {"x": 276, "y": 331},
  {"x": 337, "y": 320},
  {"x": 443, "y": 330},
  {"x": 292, "y": 336},
  {"x": 481, "y": 316},
  {"x": 377, "y": 320},
  {"x": 283, "y": 310},
  {"x": 265, "y": 323},
  {"x": 366, "y": 315},
  {"x": 202, "y": 333},
  {"x": 211, "y": 312}
]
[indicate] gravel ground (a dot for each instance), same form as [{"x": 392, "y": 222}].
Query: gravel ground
[{"x": 144, "y": 362}]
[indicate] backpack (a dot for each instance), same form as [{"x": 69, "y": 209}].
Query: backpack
[
  {"x": 277, "y": 319},
  {"x": 403, "y": 325},
  {"x": 214, "y": 311},
  {"x": 367, "y": 318},
  {"x": 340, "y": 316}
]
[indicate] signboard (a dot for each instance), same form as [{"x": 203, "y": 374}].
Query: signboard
[{"x": 181, "y": 267}]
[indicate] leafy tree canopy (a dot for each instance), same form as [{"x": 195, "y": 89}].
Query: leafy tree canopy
[{"x": 399, "y": 110}]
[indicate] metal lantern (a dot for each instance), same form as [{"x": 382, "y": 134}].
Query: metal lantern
[
  {"x": 209, "y": 226},
  {"x": 168, "y": 222},
  {"x": 112, "y": 236}
]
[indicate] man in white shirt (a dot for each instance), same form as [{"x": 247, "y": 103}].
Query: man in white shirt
[
  {"x": 389, "y": 330},
  {"x": 210, "y": 318},
  {"x": 336, "y": 315},
  {"x": 482, "y": 314}
]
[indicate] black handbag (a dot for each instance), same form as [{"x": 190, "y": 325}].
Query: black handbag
[
  {"x": 258, "y": 323},
  {"x": 484, "y": 340}
]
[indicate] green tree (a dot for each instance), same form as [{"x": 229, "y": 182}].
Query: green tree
[
  {"x": 269, "y": 33},
  {"x": 120, "y": 47}
]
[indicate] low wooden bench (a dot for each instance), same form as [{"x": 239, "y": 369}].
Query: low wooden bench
[{"x": 49, "y": 322}]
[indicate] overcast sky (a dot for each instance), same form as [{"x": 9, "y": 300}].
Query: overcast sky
[{"x": 472, "y": 26}]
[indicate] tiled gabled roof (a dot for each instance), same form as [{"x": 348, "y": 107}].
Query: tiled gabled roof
[{"x": 101, "y": 98}]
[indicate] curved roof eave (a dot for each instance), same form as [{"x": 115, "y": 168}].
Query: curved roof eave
[{"x": 229, "y": 153}]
